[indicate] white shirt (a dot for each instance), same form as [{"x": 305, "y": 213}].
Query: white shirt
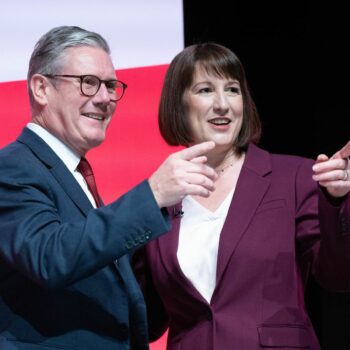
[
  {"x": 199, "y": 237},
  {"x": 68, "y": 157}
]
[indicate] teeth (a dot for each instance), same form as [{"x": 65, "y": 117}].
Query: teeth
[
  {"x": 94, "y": 116},
  {"x": 220, "y": 121}
]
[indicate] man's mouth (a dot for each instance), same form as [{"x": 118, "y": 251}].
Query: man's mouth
[{"x": 94, "y": 116}]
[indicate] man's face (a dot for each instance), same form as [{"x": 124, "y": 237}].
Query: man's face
[{"x": 77, "y": 120}]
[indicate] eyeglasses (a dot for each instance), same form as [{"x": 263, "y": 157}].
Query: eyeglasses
[{"x": 90, "y": 85}]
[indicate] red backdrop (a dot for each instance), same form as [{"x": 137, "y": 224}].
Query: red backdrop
[{"x": 133, "y": 148}]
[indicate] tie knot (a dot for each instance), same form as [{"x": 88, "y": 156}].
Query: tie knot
[{"x": 85, "y": 168}]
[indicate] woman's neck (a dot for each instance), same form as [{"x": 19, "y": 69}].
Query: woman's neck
[
  {"x": 228, "y": 165},
  {"x": 220, "y": 161}
]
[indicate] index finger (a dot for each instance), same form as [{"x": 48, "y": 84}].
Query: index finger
[
  {"x": 343, "y": 152},
  {"x": 196, "y": 150}
]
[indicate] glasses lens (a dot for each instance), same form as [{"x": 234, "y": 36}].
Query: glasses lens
[
  {"x": 119, "y": 89},
  {"x": 115, "y": 89},
  {"x": 90, "y": 85}
]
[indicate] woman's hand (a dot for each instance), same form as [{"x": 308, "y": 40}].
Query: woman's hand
[{"x": 334, "y": 173}]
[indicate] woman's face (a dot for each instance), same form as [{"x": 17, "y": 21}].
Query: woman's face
[{"x": 214, "y": 106}]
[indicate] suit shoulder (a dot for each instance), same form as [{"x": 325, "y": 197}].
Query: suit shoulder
[
  {"x": 13, "y": 149},
  {"x": 292, "y": 166},
  {"x": 290, "y": 160},
  {"x": 17, "y": 161},
  {"x": 265, "y": 161}
]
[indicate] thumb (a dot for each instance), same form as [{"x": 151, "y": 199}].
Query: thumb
[{"x": 343, "y": 152}]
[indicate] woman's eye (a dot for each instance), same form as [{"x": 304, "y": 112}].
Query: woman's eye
[
  {"x": 234, "y": 90},
  {"x": 205, "y": 90}
]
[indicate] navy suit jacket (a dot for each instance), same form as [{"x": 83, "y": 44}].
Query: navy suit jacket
[
  {"x": 272, "y": 238},
  {"x": 59, "y": 285}
]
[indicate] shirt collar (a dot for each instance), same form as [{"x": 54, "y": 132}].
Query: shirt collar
[{"x": 68, "y": 157}]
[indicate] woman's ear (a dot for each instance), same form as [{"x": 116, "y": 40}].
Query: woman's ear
[{"x": 40, "y": 87}]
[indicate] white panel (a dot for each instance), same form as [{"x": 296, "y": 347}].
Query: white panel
[{"x": 140, "y": 32}]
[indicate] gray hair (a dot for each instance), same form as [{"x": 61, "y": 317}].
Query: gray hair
[{"x": 49, "y": 52}]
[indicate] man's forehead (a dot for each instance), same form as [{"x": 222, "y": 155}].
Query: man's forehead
[
  {"x": 88, "y": 57},
  {"x": 85, "y": 50}
]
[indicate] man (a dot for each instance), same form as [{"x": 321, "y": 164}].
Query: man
[{"x": 65, "y": 278}]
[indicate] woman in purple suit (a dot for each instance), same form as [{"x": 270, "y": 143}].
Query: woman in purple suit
[{"x": 231, "y": 273}]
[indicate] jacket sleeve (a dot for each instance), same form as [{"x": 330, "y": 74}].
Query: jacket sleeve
[
  {"x": 333, "y": 268},
  {"x": 55, "y": 251},
  {"x": 323, "y": 235}
]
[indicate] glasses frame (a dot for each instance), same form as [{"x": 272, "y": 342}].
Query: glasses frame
[{"x": 100, "y": 81}]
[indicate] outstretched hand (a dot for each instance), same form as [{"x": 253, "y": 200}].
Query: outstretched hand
[
  {"x": 334, "y": 173},
  {"x": 183, "y": 173}
]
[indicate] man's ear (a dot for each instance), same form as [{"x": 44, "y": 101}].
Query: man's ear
[{"x": 40, "y": 87}]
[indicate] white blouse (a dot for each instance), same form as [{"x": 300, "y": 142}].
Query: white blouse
[{"x": 199, "y": 237}]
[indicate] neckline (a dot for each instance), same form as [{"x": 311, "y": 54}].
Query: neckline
[{"x": 202, "y": 210}]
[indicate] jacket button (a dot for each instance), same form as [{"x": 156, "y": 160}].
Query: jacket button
[
  {"x": 148, "y": 234},
  {"x": 209, "y": 316}
]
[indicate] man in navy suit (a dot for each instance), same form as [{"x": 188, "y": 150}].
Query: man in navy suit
[{"x": 65, "y": 278}]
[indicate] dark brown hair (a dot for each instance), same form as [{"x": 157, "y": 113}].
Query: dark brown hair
[{"x": 215, "y": 59}]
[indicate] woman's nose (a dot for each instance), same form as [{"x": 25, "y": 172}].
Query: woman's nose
[{"x": 221, "y": 102}]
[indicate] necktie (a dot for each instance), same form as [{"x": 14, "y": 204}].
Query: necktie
[{"x": 85, "y": 169}]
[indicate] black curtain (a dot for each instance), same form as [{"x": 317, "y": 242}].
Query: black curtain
[{"x": 295, "y": 56}]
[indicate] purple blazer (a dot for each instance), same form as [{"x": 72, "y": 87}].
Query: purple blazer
[{"x": 271, "y": 240}]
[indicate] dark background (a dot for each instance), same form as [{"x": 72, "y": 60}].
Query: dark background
[{"x": 294, "y": 54}]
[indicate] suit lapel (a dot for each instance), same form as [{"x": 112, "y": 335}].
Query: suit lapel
[
  {"x": 250, "y": 190},
  {"x": 168, "y": 245},
  {"x": 251, "y": 187},
  {"x": 57, "y": 168},
  {"x": 71, "y": 187}
]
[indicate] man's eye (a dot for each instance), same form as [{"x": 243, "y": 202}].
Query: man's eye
[
  {"x": 110, "y": 85},
  {"x": 91, "y": 81}
]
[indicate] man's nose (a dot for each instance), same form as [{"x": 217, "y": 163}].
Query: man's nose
[{"x": 102, "y": 95}]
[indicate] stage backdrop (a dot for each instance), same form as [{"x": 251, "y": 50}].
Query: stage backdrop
[{"x": 144, "y": 36}]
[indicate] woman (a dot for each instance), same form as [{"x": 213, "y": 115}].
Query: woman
[{"x": 231, "y": 273}]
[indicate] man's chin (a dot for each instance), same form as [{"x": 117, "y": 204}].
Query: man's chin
[
  {"x": 93, "y": 142},
  {"x": 96, "y": 142}
]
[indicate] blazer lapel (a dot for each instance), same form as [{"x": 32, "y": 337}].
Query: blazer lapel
[
  {"x": 71, "y": 187},
  {"x": 57, "y": 168},
  {"x": 168, "y": 245},
  {"x": 250, "y": 190}
]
